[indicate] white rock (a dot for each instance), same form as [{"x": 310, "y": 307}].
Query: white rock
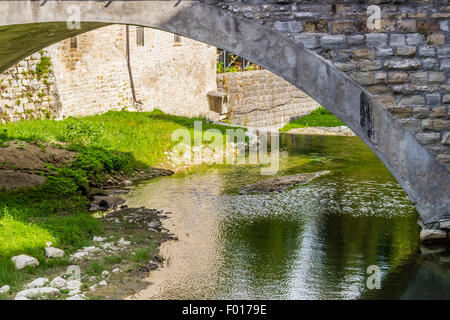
[
  {"x": 116, "y": 270},
  {"x": 92, "y": 288},
  {"x": 109, "y": 246},
  {"x": 38, "y": 283},
  {"x": 123, "y": 242},
  {"x": 23, "y": 261},
  {"x": 91, "y": 249},
  {"x": 79, "y": 255},
  {"x": 105, "y": 274},
  {"x": 45, "y": 292},
  {"x": 21, "y": 298},
  {"x": 74, "y": 292},
  {"x": 427, "y": 235},
  {"x": 74, "y": 285},
  {"x": 51, "y": 252},
  {"x": 4, "y": 289},
  {"x": 98, "y": 239},
  {"x": 76, "y": 297},
  {"x": 58, "y": 283},
  {"x": 102, "y": 283}
]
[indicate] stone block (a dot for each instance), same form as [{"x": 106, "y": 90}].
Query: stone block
[
  {"x": 427, "y": 137},
  {"x": 433, "y": 98},
  {"x": 327, "y": 41},
  {"x": 421, "y": 112},
  {"x": 397, "y": 40},
  {"x": 397, "y": 77},
  {"x": 368, "y": 65},
  {"x": 406, "y": 51},
  {"x": 412, "y": 100},
  {"x": 401, "y": 112},
  {"x": 438, "y": 112},
  {"x": 288, "y": 26},
  {"x": 404, "y": 64},
  {"x": 363, "y": 54}
]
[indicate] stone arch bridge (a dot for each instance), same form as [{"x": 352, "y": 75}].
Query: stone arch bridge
[{"x": 390, "y": 84}]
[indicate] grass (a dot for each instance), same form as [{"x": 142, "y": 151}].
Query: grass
[
  {"x": 320, "y": 117},
  {"x": 57, "y": 211}
]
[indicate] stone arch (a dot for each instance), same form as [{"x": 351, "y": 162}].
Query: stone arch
[{"x": 424, "y": 179}]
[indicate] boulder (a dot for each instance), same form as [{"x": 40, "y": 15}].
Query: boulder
[
  {"x": 51, "y": 252},
  {"x": 74, "y": 285},
  {"x": 38, "y": 283},
  {"x": 58, "y": 283},
  {"x": 23, "y": 261},
  {"x": 37, "y": 293}
]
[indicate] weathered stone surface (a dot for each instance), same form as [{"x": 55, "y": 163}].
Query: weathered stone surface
[
  {"x": 432, "y": 235},
  {"x": 401, "y": 112},
  {"x": 446, "y": 139},
  {"x": 5, "y": 289},
  {"x": 41, "y": 293},
  {"x": 412, "y": 100},
  {"x": 406, "y": 51},
  {"x": 397, "y": 77},
  {"x": 23, "y": 261},
  {"x": 58, "y": 283},
  {"x": 427, "y": 138},
  {"x": 405, "y": 64},
  {"x": 37, "y": 283},
  {"x": 51, "y": 252}
]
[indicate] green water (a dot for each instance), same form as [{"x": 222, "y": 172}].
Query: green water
[{"x": 313, "y": 241}]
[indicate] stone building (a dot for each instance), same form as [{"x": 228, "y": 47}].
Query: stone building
[
  {"x": 134, "y": 68},
  {"x": 90, "y": 74}
]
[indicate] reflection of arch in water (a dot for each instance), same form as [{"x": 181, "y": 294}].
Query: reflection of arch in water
[{"x": 426, "y": 182}]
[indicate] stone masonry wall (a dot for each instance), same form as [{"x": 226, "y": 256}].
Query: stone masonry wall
[
  {"x": 173, "y": 77},
  {"x": 93, "y": 77},
  {"x": 24, "y": 94},
  {"x": 405, "y": 64},
  {"x": 262, "y": 99}
]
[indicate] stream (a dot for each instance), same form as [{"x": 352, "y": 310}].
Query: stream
[{"x": 312, "y": 241}]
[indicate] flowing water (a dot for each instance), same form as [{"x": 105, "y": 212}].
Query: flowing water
[{"x": 314, "y": 241}]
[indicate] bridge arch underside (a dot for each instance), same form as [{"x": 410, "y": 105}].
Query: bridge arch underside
[{"x": 425, "y": 180}]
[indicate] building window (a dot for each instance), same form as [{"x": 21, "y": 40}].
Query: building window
[
  {"x": 73, "y": 43},
  {"x": 177, "y": 40},
  {"x": 140, "y": 36}
]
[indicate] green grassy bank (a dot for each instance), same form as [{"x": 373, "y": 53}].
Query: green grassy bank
[
  {"x": 57, "y": 211},
  {"x": 320, "y": 117}
]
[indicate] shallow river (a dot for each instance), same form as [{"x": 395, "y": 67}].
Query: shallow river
[{"x": 314, "y": 241}]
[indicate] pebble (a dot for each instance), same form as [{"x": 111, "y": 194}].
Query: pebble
[
  {"x": 105, "y": 274},
  {"x": 117, "y": 270},
  {"x": 4, "y": 289},
  {"x": 123, "y": 242},
  {"x": 103, "y": 283}
]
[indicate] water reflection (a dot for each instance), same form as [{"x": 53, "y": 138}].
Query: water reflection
[{"x": 311, "y": 242}]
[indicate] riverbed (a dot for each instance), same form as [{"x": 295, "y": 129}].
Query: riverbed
[{"x": 313, "y": 241}]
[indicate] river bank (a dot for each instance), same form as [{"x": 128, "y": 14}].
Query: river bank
[{"x": 61, "y": 183}]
